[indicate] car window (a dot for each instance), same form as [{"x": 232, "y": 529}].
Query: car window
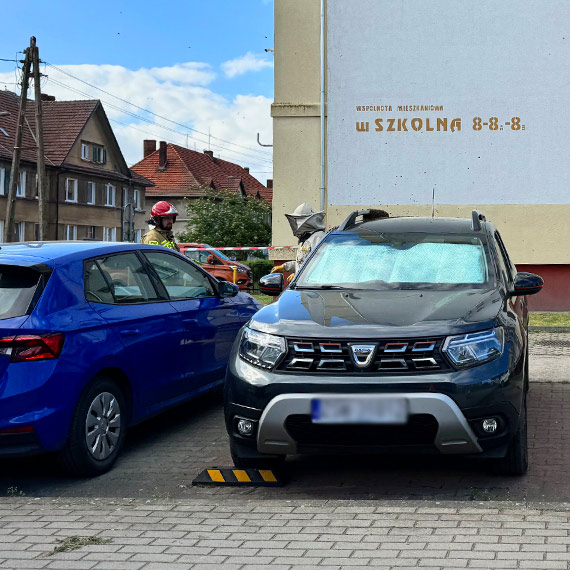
[
  {"x": 181, "y": 279},
  {"x": 506, "y": 264},
  {"x": 200, "y": 257},
  {"x": 392, "y": 260},
  {"x": 119, "y": 279},
  {"x": 17, "y": 288}
]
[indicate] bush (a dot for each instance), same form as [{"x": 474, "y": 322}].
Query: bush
[{"x": 259, "y": 268}]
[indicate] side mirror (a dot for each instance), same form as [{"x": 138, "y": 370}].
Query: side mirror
[
  {"x": 527, "y": 284},
  {"x": 227, "y": 289},
  {"x": 233, "y": 258},
  {"x": 272, "y": 284}
]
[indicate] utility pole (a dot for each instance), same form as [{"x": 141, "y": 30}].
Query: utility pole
[
  {"x": 41, "y": 165},
  {"x": 9, "y": 226}
]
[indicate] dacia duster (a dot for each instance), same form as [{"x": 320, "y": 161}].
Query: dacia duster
[{"x": 396, "y": 335}]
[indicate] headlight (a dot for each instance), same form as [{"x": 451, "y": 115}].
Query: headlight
[
  {"x": 261, "y": 349},
  {"x": 474, "y": 348}
]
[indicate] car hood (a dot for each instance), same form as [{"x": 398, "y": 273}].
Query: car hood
[{"x": 365, "y": 314}]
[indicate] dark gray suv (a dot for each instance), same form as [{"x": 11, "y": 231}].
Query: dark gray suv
[{"x": 396, "y": 335}]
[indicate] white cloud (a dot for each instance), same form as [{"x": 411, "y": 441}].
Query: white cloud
[
  {"x": 246, "y": 63},
  {"x": 180, "y": 93}
]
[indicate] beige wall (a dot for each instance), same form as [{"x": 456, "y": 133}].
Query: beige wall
[{"x": 534, "y": 234}]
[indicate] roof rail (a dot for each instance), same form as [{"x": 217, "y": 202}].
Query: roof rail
[
  {"x": 476, "y": 218},
  {"x": 367, "y": 216}
]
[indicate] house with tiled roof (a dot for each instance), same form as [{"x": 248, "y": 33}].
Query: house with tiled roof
[
  {"x": 91, "y": 192},
  {"x": 178, "y": 173}
]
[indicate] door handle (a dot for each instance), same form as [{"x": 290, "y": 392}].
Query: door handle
[
  {"x": 189, "y": 323},
  {"x": 130, "y": 332}
]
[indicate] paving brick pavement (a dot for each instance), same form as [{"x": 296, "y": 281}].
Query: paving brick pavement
[{"x": 290, "y": 534}]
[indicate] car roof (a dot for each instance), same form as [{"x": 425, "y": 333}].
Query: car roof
[
  {"x": 417, "y": 224},
  {"x": 64, "y": 251}
]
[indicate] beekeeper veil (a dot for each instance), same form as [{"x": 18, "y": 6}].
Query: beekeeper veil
[{"x": 304, "y": 221}]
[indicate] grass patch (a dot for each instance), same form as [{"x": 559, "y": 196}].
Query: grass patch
[
  {"x": 549, "y": 319},
  {"x": 75, "y": 542},
  {"x": 265, "y": 299}
]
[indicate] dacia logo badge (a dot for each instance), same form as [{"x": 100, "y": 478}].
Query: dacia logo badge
[{"x": 363, "y": 354}]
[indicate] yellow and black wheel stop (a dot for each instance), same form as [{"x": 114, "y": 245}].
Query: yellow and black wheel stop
[{"x": 232, "y": 476}]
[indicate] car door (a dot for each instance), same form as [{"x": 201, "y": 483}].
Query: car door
[
  {"x": 122, "y": 292},
  {"x": 210, "y": 323}
]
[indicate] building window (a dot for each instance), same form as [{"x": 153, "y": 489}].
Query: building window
[
  {"x": 21, "y": 231},
  {"x": 109, "y": 234},
  {"x": 37, "y": 232},
  {"x": 21, "y": 187},
  {"x": 1, "y": 231},
  {"x": 70, "y": 190},
  {"x": 2, "y": 182},
  {"x": 99, "y": 154},
  {"x": 90, "y": 232},
  {"x": 138, "y": 236},
  {"x": 109, "y": 195},
  {"x": 70, "y": 232},
  {"x": 84, "y": 151},
  {"x": 91, "y": 193},
  {"x": 138, "y": 200}
]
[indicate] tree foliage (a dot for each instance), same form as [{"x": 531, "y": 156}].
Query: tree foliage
[{"x": 223, "y": 218}]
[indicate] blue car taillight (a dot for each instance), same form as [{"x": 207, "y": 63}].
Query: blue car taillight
[{"x": 24, "y": 348}]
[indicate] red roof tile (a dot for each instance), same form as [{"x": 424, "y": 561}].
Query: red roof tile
[{"x": 187, "y": 172}]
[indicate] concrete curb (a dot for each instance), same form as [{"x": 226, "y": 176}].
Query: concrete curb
[{"x": 550, "y": 329}]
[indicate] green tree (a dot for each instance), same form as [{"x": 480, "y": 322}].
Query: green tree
[{"x": 223, "y": 218}]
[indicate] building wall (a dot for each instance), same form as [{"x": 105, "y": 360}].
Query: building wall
[{"x": 534, "y": 234}]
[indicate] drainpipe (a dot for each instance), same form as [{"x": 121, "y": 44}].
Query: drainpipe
[
  {"x": 322, "y": 104},
  {"x": 57, "y": 206}
]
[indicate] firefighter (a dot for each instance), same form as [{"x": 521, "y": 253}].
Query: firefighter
[
  {"x": 309, "y": 228},
  {"x": 163, "y": 216}
]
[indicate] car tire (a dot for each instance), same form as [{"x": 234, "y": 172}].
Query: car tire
[
  {"x": 515, "y": 461},
  {"x": 97, "y": 430},
  {"x": 253, "y": 460}
]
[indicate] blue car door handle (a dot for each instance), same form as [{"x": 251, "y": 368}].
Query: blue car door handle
[
  {"x": 189, "y": 323},
  {"x": 129, "y": 332}
]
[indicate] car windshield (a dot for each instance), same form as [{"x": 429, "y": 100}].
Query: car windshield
[
  {"x": 410, "y": 260},
  {"x": 17, "y": 288},
  {"x": 217, "y": 252}
]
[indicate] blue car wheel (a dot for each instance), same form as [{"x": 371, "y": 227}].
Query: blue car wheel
[{"x": 97, "y": 430}]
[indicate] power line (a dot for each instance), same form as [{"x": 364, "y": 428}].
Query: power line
[
  {"x": 151, "y": 112},
  {"x": 134, "y": 115}
]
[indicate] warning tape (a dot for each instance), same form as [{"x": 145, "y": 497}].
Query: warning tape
[
  {"x": 238, "y": 248},
  {"x": 238, "y": 477}
]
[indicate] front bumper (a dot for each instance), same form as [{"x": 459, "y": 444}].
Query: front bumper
[{"x": 454, "y": 435}]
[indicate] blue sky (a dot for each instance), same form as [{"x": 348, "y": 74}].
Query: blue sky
[{"x": 200, "y": 63}]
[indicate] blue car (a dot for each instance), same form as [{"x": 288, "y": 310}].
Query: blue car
[{"x": 95, "y": 337}]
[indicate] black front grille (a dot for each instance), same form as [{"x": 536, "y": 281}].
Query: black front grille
[
  {"x": 421, "y": 429},
  {"x": 392, "y": 356}
]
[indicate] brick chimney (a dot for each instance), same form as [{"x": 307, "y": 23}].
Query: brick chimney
[
  {"x": 269, "y": 183},
  {"x": 246, "y": 168},
  {"x": 148, "y": 147},
  {"x": 46, "y": 97},
  {"x": 162, "y": 156},
  {"x": 209, "y": 153}
]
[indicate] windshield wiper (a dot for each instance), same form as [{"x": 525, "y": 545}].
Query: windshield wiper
[{"x": 320, "y": 287}]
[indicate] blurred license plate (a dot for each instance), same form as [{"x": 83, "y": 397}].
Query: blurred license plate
[{"x": 359, "y": 411}]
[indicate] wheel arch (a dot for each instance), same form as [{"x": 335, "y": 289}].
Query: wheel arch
[{"x": 122, "y": 380}]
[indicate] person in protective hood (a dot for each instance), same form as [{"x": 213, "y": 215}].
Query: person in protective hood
[
  {"x": 309, "y": 228},
  {"x": 163, "y": 217}
]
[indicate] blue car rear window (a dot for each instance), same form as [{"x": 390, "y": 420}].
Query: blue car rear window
[{"x": 17, "y": 288}]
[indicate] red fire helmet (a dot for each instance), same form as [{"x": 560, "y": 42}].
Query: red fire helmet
[{"x": 161, "y": 209}]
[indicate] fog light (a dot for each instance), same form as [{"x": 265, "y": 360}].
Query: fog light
[
  {"x": 490, "y": 425},
  {"x": 245, "y": 427}
]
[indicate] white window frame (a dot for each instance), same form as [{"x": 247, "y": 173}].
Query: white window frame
[
  {"x": 110, "y": 190},
  {"x": 137, "y": 200},
  {"x": 2, "y": 183},
  {"x": 99, "y": 154},
  {"x": 21, "y": 187},
  {"x": 89, "y": 234},
  {"x": 70, "y": 232},
  {"x": 93, "y": 186},
  {"x": 21, "y": 231},
  {"x": 109, "y": 234},
  {"x": 84, "y": 151},
  {"x": 73, "y": 200}
]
